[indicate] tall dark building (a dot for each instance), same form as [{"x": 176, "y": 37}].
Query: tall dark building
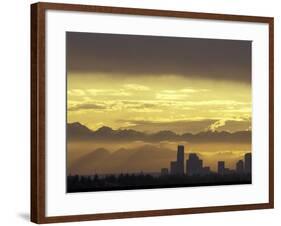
[
  {"x": 177, "y": 167},
  {"x": 240, "y": 166},
  {"x": 174, "y": 168},
  {"x": 248, "y": 163},
  {"x": 221, "y": 167},
  {"x": 180, "y": 159},
  {"x": 194, "y": 165}
]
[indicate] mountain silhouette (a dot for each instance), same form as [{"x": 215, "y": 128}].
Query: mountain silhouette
[
  {"x": 77, "y": 131},
  {"x": 165, "y": 135},
  {"x": 134, "y": 160}
]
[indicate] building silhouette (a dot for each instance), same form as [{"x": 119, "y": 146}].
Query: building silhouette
[
  {"x": 240, "y": 167},
  {"x": 174, "y": 168},
  {"x": 228, "y": 171},
  {"x": 221, "y": 167},
  {"x": 248, "y": 163},
  {"x": 177, "y": 167},
  {"x": 206, "y": 170},
  {"x": 180, "y": 159},
  {"x": 194, "y": 165},
  {"x": 164, "y": 171}
]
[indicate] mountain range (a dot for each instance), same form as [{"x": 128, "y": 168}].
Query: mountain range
[
  {"x": 78, "y": 132},
  {"x": 100, "y": 160}
]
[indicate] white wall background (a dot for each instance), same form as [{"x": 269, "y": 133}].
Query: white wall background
[{"x": 15, "y": 114}]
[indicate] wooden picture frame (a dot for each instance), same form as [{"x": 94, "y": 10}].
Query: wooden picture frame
[{"x": 38, "y": 109}]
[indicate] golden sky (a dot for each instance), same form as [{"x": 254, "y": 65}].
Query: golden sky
[
  {"x": 150, "y": 83},
  {"x": 166, "y": 102}
]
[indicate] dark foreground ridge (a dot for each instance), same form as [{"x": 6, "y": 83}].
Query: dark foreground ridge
[{"x": 146, "y": 181}]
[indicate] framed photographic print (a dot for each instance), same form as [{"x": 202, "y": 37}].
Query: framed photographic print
[{"x": 140, "y": 112}]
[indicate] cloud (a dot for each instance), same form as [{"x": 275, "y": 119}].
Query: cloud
[
  {"x": 87, "y": 106},
  {"x": 216, "y": 125},
  {"x": 178, "y": 126},
  {"x": 129, "y": 106},
  {"x": 178, "y": 94},
  {"x": 124, "y": 55},
  {"x": 136, "y": 87},
  {"x": 171, "y": 96},
  {"x": 76, "y": 92},
  {"x": 98, "y": 92},
  {"x": 186, "y": 90},
  {"x": 108, "y": 92},
  {"x": 191, "y": 126},
  {"x": 218, "y": 102},
  {"x": 231, "y": 125}
]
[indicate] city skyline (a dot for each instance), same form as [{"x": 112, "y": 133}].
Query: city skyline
[
  {"x": 185, "y": 173},
  {"x": 194, "y": 165}
]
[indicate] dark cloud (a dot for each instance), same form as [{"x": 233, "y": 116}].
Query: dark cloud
[{"x": 125, "y": 55}]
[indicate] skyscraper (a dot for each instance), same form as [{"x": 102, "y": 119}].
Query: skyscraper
[
  {"x": 248, "y": 163},
  {"x": 240, "y": 166},
  {"x": 180, "y": 159},
  {"x": 177, "y": 167},
  {"x": 174, "y": 168},
  {"x": 194, "y": 165},
  {"x": 221, "y": 167}
]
